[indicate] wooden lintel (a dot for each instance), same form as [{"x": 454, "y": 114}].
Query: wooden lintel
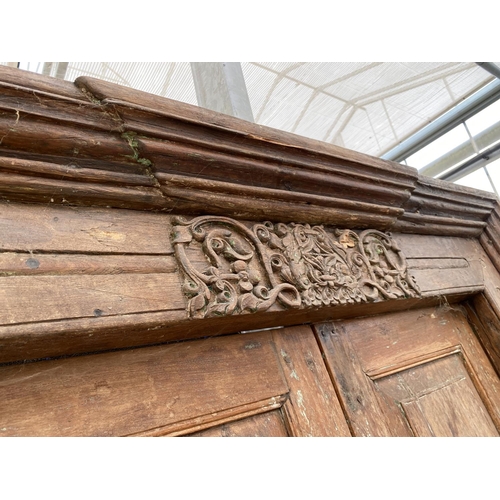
[{"x": 90, "y": 276}]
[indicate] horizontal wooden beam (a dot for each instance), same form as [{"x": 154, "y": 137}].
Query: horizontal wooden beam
[
  {"x": 97, "y": 143},
  {"x": 75, "y": 280}
]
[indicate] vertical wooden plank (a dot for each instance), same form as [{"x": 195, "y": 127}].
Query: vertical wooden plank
[
  {"x": 313, "y": 408},
  {"x": 479, "y": 367},
  {"x": 486, "y": 325}
]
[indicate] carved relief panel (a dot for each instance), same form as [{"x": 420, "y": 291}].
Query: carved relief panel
[{"x": 230, "y": 268}]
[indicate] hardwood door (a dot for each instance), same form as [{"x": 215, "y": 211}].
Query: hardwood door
[
  {"x": 268, "y": 383},
  {"x": 418, "y": 373}
]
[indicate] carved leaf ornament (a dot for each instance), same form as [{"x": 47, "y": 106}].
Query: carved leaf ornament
[{"x": 230, "y": 268}]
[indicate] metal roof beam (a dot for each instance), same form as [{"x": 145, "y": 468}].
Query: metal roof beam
[
  {"x": 490, "y": 68},
  {"x": 459, "y": 154},
  {"x": 475, "y": 103},
  {"x": 473, "y": 164}
]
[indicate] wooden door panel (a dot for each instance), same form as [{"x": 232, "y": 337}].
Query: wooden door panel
[
  {"x": 438, "y": 399},
  {"x": 414, "y": 373},
  {"x": 177, "y": 389},
  {"x": 269, "y": 424},
  {"x": 161, "y": 389}
]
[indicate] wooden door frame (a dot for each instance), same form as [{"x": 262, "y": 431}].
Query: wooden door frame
[{"x": 92, "y": 147}]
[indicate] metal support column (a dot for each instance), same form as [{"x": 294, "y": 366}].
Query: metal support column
[{"x": 220, "y": 86}]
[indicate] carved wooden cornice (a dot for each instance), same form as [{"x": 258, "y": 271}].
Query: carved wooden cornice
[
  {"x": 97, "y": 143},
  {"x": 193, "y": 250}
]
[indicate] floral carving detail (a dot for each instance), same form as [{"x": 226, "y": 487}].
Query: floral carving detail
[{"x": 230, "y": 268}]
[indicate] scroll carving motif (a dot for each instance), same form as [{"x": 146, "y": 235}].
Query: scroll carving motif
[{"x": 230, "y": 268}]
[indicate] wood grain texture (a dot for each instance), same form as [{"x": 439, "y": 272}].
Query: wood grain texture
[
  {"x": 171, "y": 388},
  {"x": 41, "y": 83},
  {"x": 52, "y": 228},
  {"x": 486, "y": 325},
  {"x": 371, "y": 359},
  {"x": 447, "y": 406},
  {"x": 444, "y": 265},
  {"x": 364, "y": 414},
  {"x": 313, "y": 408},
  {"x": 269, "y": 424},
  {"x": 197, "y": 195},
  {"x": 490, "y": 238},
  {"x": 29, "y": 264},
  {"x": 445, "y": 209},
  {"x": 98, "y": 143},
  {"x": 29, "y": 299}
]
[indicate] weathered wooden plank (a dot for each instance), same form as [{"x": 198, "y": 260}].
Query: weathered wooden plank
[
  {"x": 197, "y": 201},
  {"x": 388, "y": 343},
  {"x": 479, "y": 367},
  {"x": 34, "y": 81},
  {"x": 447, "y": 275},
  {"x": 383, "y": 366},
  {"x": 207, "y": 163},
  {"x": 43, "y": 190},
  {"x": 439, "y": 399},
  {"x": 313, "y": 408},
  {"x": 365, "y": 415},
  {"x": 28, "y": 341},
  {"x": 128, "y": 392},
  {"x": 17, "y": 264},
  {"x": 486, "y": 326},
  {"x": 268, "y": 424},
  {"x": 440, "y": 226},
  {"x": 27, "y": 299},
  {"x": 443, "y": 264},
  {"x": 28, "y": 133},
  {"x": 51, "y": 228},
  {"x": 194, "y": 192},
  {"x": 185, "y": 118},
  {"x": 74, "y": 171},
  {"x": 433, "y": 247}
]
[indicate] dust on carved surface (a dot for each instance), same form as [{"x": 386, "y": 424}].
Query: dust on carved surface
[{"x": 230, "y": 268}]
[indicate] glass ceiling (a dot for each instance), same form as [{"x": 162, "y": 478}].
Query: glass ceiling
[{"x": 366, "y": 107}]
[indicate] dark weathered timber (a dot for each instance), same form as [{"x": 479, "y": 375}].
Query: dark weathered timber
[
  {"x": 178, "y": 389},
  {"x": 443, "y": 208},
  {"x": 40, "y": 83},
  {"x": 195, "y": 195},
  {"x": 486, "y": 324},
  {"x": 490, "y": 238},
  {"x": 62, "y": 264},
  {"x": 37, "y": 340},
  {"x": 416, "y": 373},
  {"x": 30, "y": 264},
  {"x": 269, "y": 424},
  {"x": 73, "y": 171},
  {"x": 172, "y": 389},
  {"x": 312, "y": 408},
  {"x": 121, "y": 145},
  {"x": 53, "y": 228},
  {"x": 42, "y": 190},
  {"x": 441, "y": 198}
]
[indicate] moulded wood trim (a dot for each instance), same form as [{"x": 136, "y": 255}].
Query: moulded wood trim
[{"x": 108, "y": 145}]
